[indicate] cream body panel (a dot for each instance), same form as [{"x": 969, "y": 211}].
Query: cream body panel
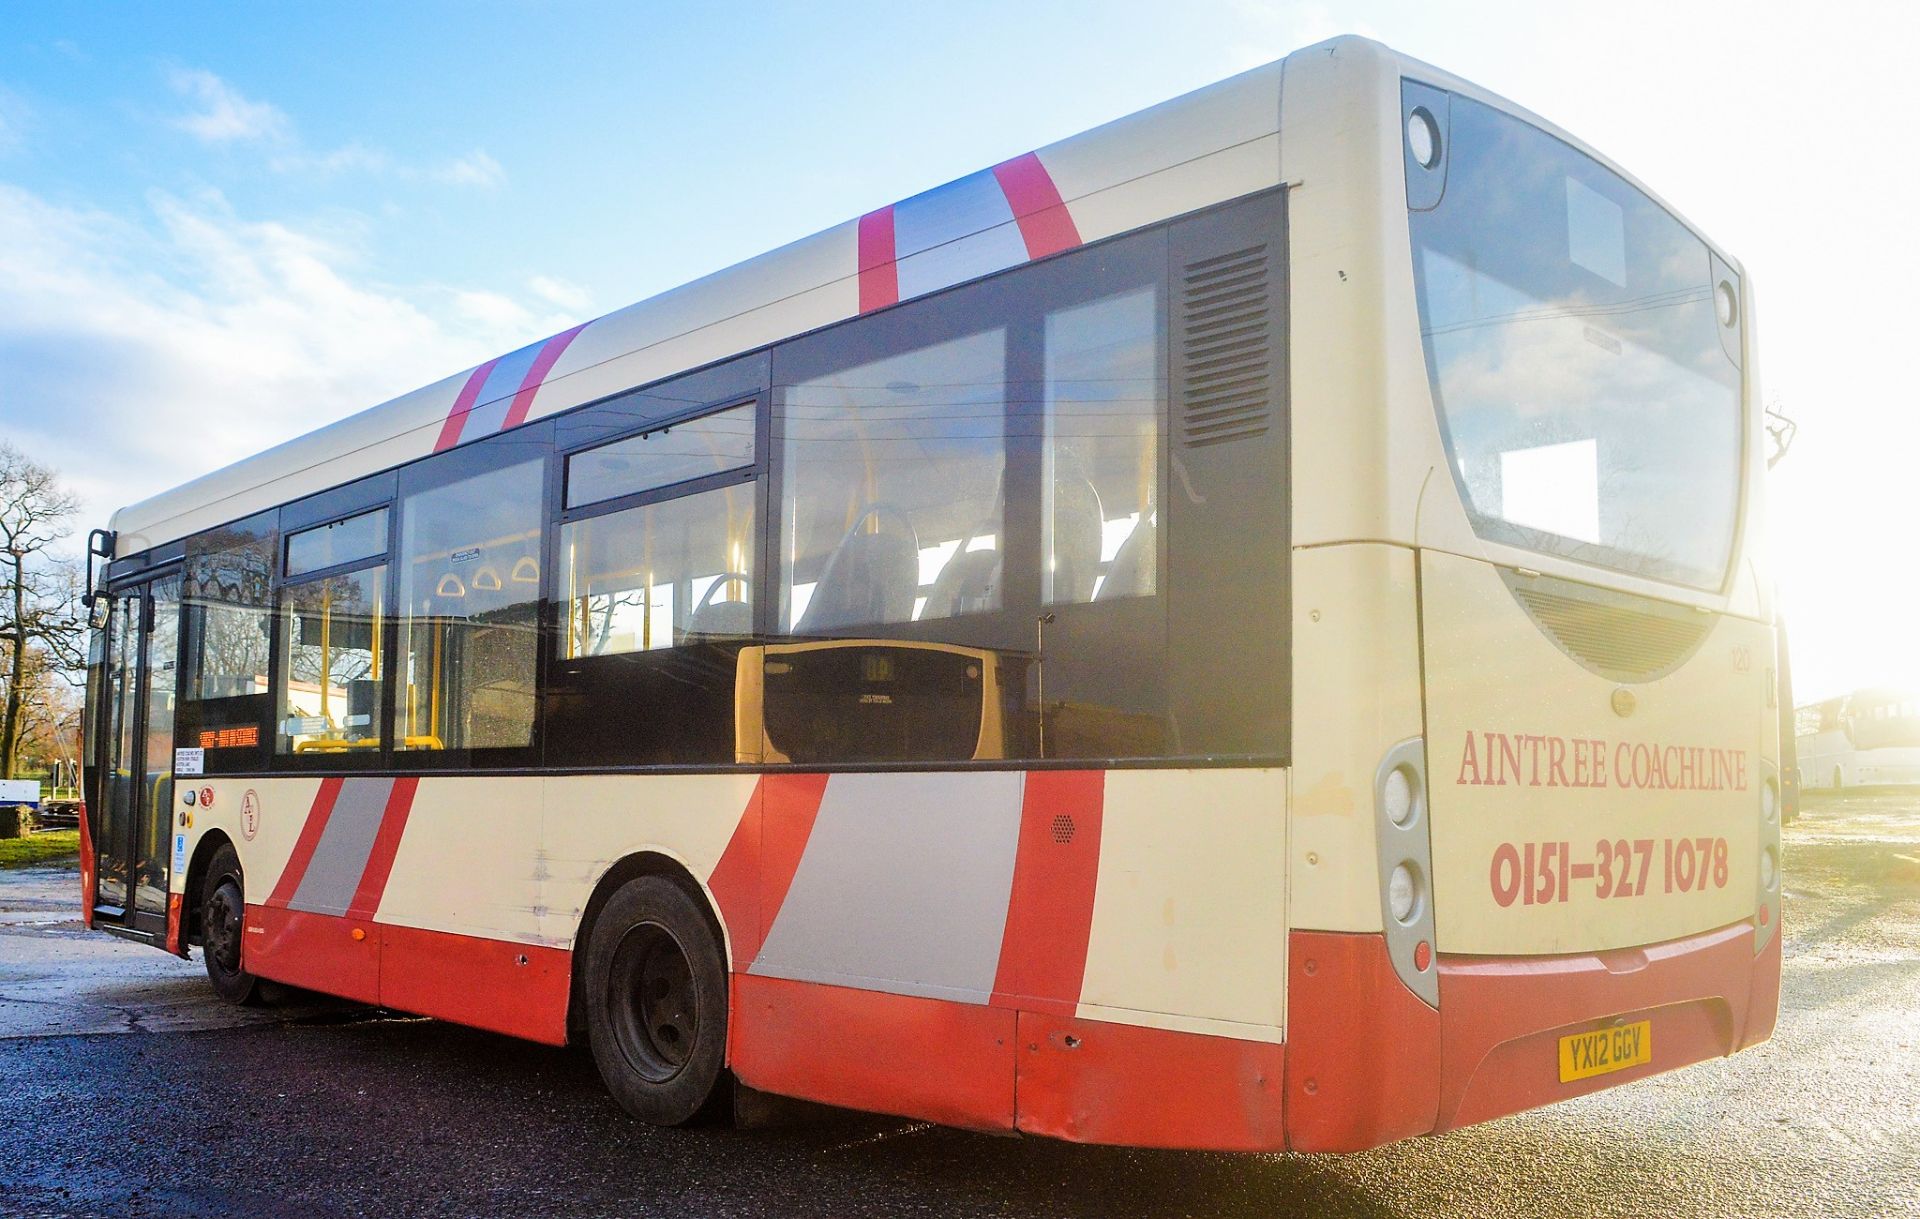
[
  {"x": 1189, "y": 923},
  {"x": 284, "y": 805},
  {"x": 590, "y": 822},
  {"x": 1490, "y": 670},
  {"x": 469, "y": 861},
  {"x": 1356, "y": 683}
]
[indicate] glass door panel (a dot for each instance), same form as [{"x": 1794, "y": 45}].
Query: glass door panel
[{"x": 160, "y": 682}]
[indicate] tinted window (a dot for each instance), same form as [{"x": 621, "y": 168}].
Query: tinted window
[
  {"x": 711, "y": 444},
  {"x": 892, "y": 507},
  {"x": 469, "y": 609},
  {"x": 357, "y": 537},
  {"x": 229, "y": 581},
  {"x": 1104, "y": 400},
  {"x": 331, "y": 666},
  {"x": 227, "y": 644},
  {"x": 660, "y": 575},
  {"x": 1589, "y": 394}
]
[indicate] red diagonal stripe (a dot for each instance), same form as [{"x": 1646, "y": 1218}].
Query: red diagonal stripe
[
  {"x": 463, "y": 406},
  {"x": 879, "y": 274},
  {"x": 386, "y": 844},
  {"x": 1043, "y": 951},
  {"x": 756, "y": 870},
  {"x": 316, "y": 825},
  {"x": 1045, "y": 224},
  {"x": 537, "y": 376}
]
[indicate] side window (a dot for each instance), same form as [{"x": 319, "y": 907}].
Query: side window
[
  {"x": 676, "y": 568},
  {"x": 656, "y": 581},
  {"x": 894, "y": 508},
  {"x": 468, "y": 607},
  {"x": 662, "y": 457},
  {"x": 659, "y": 575},
  {"x": 1104, "y": 400},
  {"x": 330, "y": 670},
  {"x": 358, "y": 537},
  {"x": 227, "y": 643}
]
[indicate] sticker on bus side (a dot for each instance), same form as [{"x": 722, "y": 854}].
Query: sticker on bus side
[{"x": 189, "y": 761}]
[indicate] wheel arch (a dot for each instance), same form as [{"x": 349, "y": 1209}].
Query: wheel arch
[
  {"x": 203, "y": 853},
  {"x": 649, "y": 861}
]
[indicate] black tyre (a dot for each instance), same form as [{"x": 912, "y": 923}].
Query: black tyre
[
  {"x": 223, "y": 913},
  {"x": 656, "y": 1003}
]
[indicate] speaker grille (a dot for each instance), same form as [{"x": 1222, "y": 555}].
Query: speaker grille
[
  {"x": 1226, "y": 390},
  {"x": 1619, "y": 637}
]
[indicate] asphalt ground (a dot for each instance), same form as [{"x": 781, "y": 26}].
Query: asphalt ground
[{"x": 126, "y": 1090}]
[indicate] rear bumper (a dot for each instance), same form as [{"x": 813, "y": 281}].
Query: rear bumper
[
  {"x": 1368, "y": 1062},
  {"x": 1501, "y": 1018}
]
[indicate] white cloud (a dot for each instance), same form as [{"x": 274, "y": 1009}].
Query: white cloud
[
  {"x": 346, "y": 159},
  {"x": 561, "y": 294},
  {"x": 224, "y": 115},
  {"x": 145, "y": 351},
  {"x": 477, "y": 168}
]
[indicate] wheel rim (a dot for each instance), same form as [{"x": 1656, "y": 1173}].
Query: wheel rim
[
  {"x": 650, "y": 994},
  {"x": 223, "y": 928}
]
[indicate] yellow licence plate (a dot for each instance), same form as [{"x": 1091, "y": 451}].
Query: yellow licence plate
[{"x": 1604, "y": 1050}]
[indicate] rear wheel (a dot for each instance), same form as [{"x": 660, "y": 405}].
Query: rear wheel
[
  {"x": 223, "y": 913},
  {"x": 656, "y": 1002}
]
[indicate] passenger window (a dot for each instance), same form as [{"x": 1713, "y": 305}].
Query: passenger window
[
  {"x": 227, "y": 644},
  {"x": 893, "y": 508},
  {"x": 676, "y": 453},
  {"x": 469, "y": 610},
  {"x": 229, "y": 575},
  {"x": 330, "y": 687},
  {"x": 661, "y": 575},
  {"x": 357, "y": 537},
  {"x": 1104, "y": 400}
]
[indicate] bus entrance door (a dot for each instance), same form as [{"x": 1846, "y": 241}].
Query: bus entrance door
[{"x": 133, "y": 816}]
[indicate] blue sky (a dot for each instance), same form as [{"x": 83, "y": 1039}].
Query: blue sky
[{"x": 224, "y": 224}]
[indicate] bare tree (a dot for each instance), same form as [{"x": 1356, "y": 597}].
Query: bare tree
[
  {"x": 41, "y": 626},
  {"x": 50, "y": 715}
]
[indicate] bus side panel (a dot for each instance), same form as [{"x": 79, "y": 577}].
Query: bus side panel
[
  {"x": 1130, "y": 924},
  {"x": 929, "y": 1059},
  {"x": 1363, "y": 1058}
]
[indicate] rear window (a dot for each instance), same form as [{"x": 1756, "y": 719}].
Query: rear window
[{"x": 1586, "y": 376}]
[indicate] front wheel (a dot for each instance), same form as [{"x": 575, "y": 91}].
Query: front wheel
[
  {"x": 223, "y": 912},
  {"x": 656, "y": 1002}
]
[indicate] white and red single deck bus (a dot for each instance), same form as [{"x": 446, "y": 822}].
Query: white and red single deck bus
[
  {"x": 1240, "y": 629},
  {"x": 1870, "y": 738}
]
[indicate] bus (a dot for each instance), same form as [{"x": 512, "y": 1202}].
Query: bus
[
  {"x": 1239, "y": 629},
  {"x": 1870, "y": 738}
]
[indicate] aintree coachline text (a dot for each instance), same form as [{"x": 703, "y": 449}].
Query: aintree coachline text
[{"x": 1526, "y": 759}]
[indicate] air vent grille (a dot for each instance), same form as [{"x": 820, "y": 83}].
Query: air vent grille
[
  {"x": 1617, "y": 641},
  {"x": 1226, "y": 389}
]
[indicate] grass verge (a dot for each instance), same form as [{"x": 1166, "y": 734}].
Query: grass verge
[{"x": 44, "y": 847}]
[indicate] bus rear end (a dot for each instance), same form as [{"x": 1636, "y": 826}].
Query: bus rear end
[{"x": 1571, "y": 711}]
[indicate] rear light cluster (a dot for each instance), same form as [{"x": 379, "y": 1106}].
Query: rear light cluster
[
  {"x": 1766, "y": 902},
  {"x": 1406, "y": 867}
]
